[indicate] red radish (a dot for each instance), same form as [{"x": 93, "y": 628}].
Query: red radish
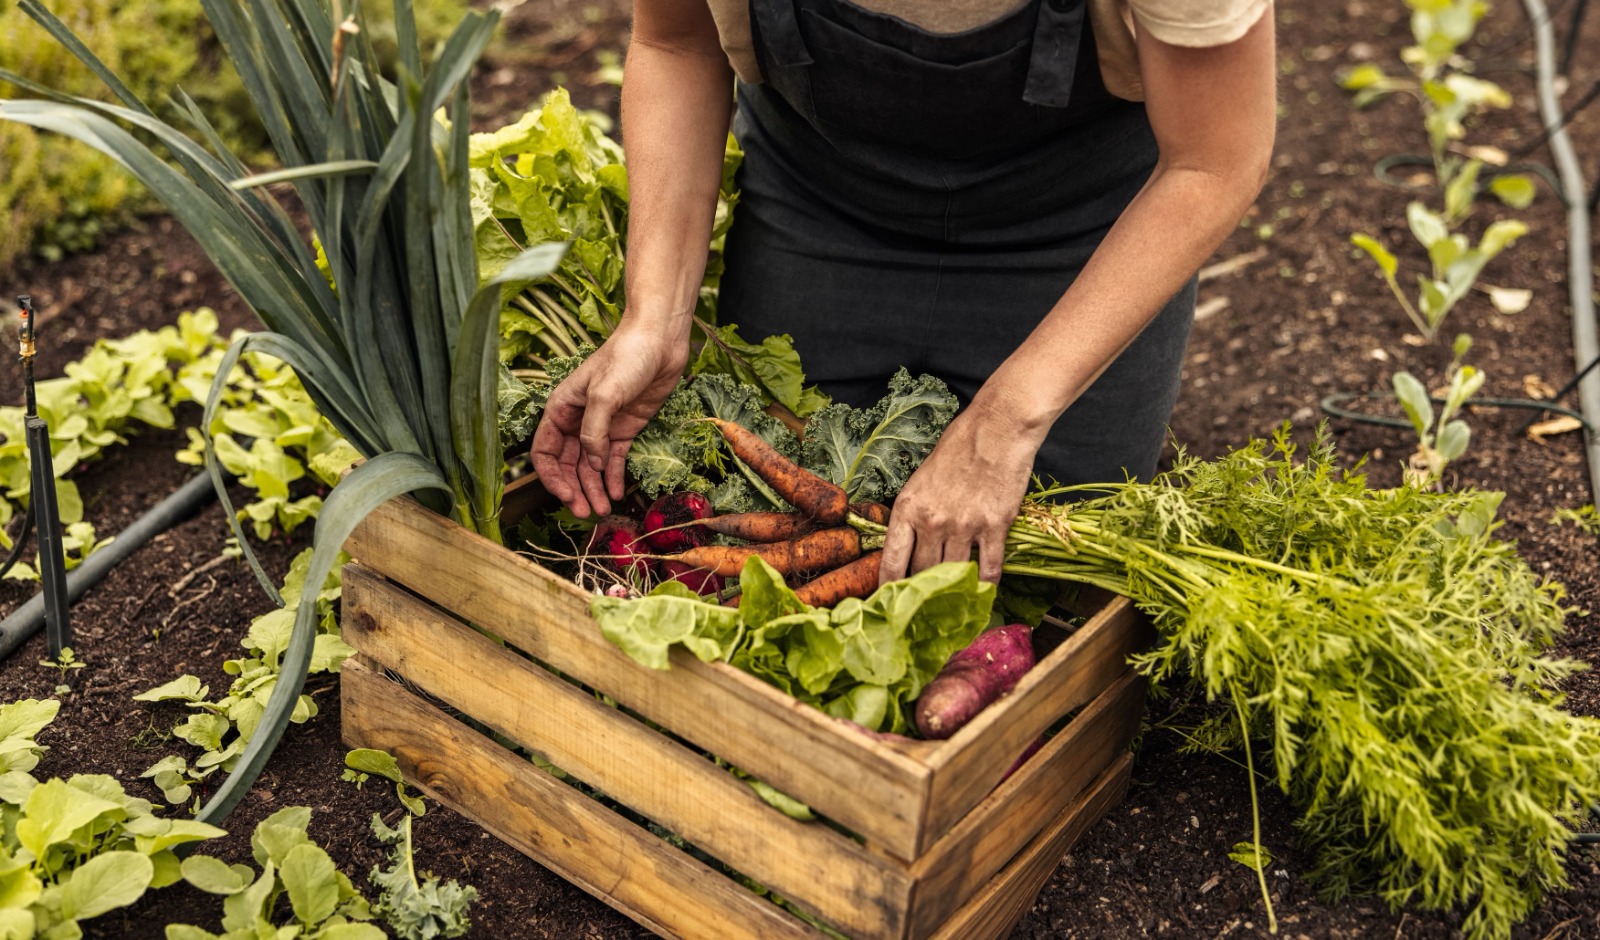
[
  {"x": 973, "y": 678},
  {"x": 620, "y": 591},
  {"x": 666, "y": 522},
  {"x": 618, "y": 544},
  {"x": 699, "y": 580}
]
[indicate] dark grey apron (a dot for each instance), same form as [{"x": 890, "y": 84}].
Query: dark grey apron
[{"x": 923, "y": 200}]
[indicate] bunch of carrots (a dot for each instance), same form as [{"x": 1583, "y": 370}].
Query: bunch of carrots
[{"x": 828, "y": 548}]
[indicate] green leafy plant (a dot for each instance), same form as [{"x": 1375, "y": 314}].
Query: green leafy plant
[
  {"x": 1441, "y": 438},
  {"x": 416, "y": 905},
  {"x": 1455, "y": 262},
  {"x": 116, "y": 387},
  {"x": 64, "y": 664},
  {"x": 862, "y": 660},
  {"x": 72, "y": 850},
  {"x": 222, "y": 729},
  {"x": 1586, "y": 518},
  {"x": 269, "y": 434},
  {"x": 1388, "y": 649},
  {"x": 323, "y": 904},
  {"x": 362, "y": 762},
  {"x": 1448, "y": 95},
  {"x": 401, "y": 357}
]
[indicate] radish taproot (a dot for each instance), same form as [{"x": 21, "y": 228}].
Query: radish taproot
[
  {"x": 618, "y": 544},
  {"x": 699, "y": 580},
  {"x": 670, "y": 522},
  {"x": 973, "y": 678}
]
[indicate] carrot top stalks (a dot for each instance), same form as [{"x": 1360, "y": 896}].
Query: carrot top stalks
[
  {"x": 807, "y": 492},
  {"x": 818, "y": 551},
  {"x": 761, "y": 526},
  {"x": 857, "y": 579}
]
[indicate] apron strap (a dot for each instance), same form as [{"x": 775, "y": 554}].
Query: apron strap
[
  {"x": 1056, "y": 41},
  {"x": 780, "y": 32}
]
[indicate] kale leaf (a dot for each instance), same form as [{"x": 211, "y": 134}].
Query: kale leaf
[{"x": 872, "y": 453}]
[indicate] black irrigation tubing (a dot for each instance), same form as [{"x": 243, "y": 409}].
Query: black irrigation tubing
[
  {"x": 1331, "y": 406},
  {"x": 1382, "y": 167},
  {"x": 179, "y": 505}
]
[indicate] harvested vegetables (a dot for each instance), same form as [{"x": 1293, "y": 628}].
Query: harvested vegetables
[
  {"x": 1388, "y": 649},
  {"x": 975, "y": 678}
]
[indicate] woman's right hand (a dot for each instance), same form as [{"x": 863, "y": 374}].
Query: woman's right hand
[{"x": 580, "y": 449}]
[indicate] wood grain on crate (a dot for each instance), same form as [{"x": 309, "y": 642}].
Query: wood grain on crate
[
  {"x": 967, "y": 767},
  {"x": 624, "y": 865},
  {"x": 829, "y": 874},
  {"x": 994, "y": 910},
  {"x": 620, "y": 863},
  {"x": 848, "y": 886},
  {"x": 868, "y": 787},
  {"x": 987, "y": 838}
]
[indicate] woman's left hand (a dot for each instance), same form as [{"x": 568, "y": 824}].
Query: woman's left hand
[{"x": 964, "y": 496}]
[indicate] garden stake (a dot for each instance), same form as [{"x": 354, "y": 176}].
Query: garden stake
[{"x": 46, "y": 514}]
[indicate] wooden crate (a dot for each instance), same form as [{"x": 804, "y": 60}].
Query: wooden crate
[{"x": 947, "y": 849}]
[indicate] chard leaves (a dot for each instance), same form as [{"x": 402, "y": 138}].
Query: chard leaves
[{"x": 861, "y": 660}]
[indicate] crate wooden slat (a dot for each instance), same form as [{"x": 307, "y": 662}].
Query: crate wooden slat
[
  {"x": 947, "y": 847},
  {"x": 591, "y": 846},
  {"x": 854, "y": 779},
  {"x": 623, "y": 758},
  {"x": 625, "y": 866}
]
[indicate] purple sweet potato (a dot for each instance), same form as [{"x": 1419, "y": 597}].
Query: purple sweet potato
[
  {"x": 669, "y": 522},
  {"x": 973, "y": 678}
]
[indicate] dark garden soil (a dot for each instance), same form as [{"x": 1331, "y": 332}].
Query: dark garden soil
[{"x": 1305, "y": 319}]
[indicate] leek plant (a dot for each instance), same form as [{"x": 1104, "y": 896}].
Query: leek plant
[{"x": 400, "y": 355}]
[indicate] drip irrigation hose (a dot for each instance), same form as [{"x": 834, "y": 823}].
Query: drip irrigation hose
[
  {"x": 1580, "y": 264},
  {"x": 1382, "y": 167},
  {"x": 1332, "y": 406},
  {"x": 27, "y": 619}
]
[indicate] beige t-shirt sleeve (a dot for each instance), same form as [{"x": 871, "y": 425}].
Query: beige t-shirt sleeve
[
  {"x": 1179, "y": 22},
  {"x": 1197, "y": 22}
]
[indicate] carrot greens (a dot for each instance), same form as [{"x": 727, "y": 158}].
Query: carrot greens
[{"x": 1388, "y": 650}]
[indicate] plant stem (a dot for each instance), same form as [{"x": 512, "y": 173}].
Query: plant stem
[{"x": 1255, "y": 817}]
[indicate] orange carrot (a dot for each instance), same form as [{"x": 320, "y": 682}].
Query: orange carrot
[
  {"x": 819, "y": 551},
  {"x": 857, "y": 579},
  {"x": 761, "y": 526},
  {"x": 872, "y": 512},
  {"x": 806, "y": 491}
]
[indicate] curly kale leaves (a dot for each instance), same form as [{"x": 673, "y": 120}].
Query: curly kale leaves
[
  {"x": 416, "y": 910},
  {"x": 872, "y": 453}
]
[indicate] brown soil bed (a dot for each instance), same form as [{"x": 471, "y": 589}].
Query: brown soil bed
[{"x": 1306, "y": 319}]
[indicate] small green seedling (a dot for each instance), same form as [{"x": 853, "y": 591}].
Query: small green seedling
[
  {"x": 64, "y": 664},
  {"x": 1455, "y": 261},
  {"x": 1441, "y": 438}
]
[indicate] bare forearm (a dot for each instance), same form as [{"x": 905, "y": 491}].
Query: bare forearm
[
  {"x": 1161, "y": 239},
  {"x": 676, "y": 100},
  {"x": 1212, "y": 111}
]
